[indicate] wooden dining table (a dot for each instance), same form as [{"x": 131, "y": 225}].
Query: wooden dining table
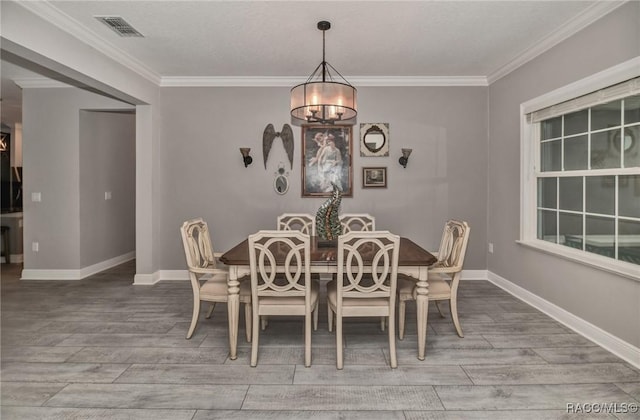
[{"x": 413, "y": 261}]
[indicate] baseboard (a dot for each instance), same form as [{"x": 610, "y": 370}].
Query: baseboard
[
  {"x": 173, "y": 275},
  {"x": 146, "y": 279},
  {"x": 615, "y": 345},
  {"x": 37, "y": 274},
  {"x": 105, "y": 265},
  {"x": 473, "y": 275}
]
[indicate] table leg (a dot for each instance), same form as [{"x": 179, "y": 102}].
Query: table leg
[
  {"x": 422, "y": 309},
  {"x": 233, "y": 309}
]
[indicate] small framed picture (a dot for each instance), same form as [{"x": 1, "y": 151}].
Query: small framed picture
[{"x": 374, "y": 177}]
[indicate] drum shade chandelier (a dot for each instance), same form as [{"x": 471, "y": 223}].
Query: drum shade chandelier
[{"x": 326, "y": 97}]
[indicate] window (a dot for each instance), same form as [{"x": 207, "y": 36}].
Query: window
[{"x": 581, "y": 177}]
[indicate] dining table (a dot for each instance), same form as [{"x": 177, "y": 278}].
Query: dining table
[{"x": 413, "y": 261}]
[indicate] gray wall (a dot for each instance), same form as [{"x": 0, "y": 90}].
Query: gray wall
[
  {"x": 51, "y": 166},
  {"x": 608, "y": 301},
  {"x": 107, "y": 163},
  {"x": 202, "y": 173}
]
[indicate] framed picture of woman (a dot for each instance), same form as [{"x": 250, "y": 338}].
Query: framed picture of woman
[{"x": 326, "y": 159}]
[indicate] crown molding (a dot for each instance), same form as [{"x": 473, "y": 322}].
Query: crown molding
[
  {"x": 357, "y": 81},
  {"x": 66, "y": 23},
  {"x": 222, "y": 81},
  {"x": 581, "y": 21},
  {"x": 420, "y": 81}
]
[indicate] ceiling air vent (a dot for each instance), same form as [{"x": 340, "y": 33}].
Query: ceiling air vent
[{"x": 119, "y": 25}]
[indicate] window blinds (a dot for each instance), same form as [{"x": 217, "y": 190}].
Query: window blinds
[{"x": 608, "y": 94}]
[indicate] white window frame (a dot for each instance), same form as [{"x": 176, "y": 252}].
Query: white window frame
[{"x": 529, "y": 157}]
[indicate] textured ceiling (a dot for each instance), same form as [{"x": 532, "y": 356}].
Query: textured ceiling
[{"x": 368, "y": 39}]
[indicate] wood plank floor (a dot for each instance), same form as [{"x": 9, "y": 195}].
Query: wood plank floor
[{"x": 104, "y": 349}]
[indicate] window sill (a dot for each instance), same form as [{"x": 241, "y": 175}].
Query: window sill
[{"x": 620, "y": 268}]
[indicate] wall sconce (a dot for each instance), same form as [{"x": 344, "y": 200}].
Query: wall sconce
[
  {"x": 405, "y": 157},
  {"x": 245, "y": 156}
]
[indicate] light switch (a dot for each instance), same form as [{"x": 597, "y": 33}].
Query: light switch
[
  {"x": 36, "y": 196},
  {"x": 107, "y": 195}
]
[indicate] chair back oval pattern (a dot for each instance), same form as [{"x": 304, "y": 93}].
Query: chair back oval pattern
[
  {"x": 357, "y": 222},
  {"x": 302, "y": 222},
  {"x": 278, "y": 261},
  {"x": 453, "y": 244},
  {"x": 367, "y": 263},
  {"x": 197, "y": 244}
]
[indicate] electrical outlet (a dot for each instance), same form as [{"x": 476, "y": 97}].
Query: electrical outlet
[
  {"x": 35, "y": 246},
  {"x": 490, "y": 247},
  {"x": 107, "y": 195},
  {"x": 36, "y": 196}
]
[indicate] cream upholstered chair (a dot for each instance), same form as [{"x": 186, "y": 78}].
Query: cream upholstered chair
[
  {"x": 304, "y": 222},
  {"x": 443, "y": 276},
  {"x": 366, "y": 283},
  {"x": 281, "y": 284},
  {"x": 202, "y": 265},
  {"x": 357, "y": 222}
]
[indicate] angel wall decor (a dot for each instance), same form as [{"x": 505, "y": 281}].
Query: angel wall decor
[{"x": 287, "y": 140}]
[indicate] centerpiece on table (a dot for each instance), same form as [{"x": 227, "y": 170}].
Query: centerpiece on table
[{"x": 328, "y": 226}]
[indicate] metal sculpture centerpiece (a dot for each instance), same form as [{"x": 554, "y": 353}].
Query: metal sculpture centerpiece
[{"x": 328, "y": 226}]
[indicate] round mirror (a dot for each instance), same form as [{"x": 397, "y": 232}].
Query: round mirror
[
  {"x": 281, "y": 184},
  {"x": 374, "y": 139}
]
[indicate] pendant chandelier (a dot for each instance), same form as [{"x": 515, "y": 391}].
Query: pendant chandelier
[{"x": 326, "y": 97}]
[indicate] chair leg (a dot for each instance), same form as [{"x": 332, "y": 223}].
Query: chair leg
[
  {"x": 307, "y": 340},
  {"x": 255, "y": 330},
  {"x": 439, "y": 309},
  {"x": 382, "y": 322},
  {"x": 330, "y": 317},
  {"x": 248, "y": 321},
  {"x": 194, "y": 318},
  {"x": 453, "y": 306},
  {"x": 210, "y": 311},
  {"x": 392, "y": 345},
  {"x": 264, "y": 322},
  {"x": 315, "y": 318},
  {"x": 339, "y": 355},
  {"x": 402, "y": 306}
]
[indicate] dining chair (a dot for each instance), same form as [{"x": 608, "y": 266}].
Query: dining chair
[
  {"x": 202, "y": 265},
  {"x": 281, "y": 284},
  {"x": 360, "y": 222},
  {"x": 443, "y": 276},
  {"x": 357, "y": 222},
  {"x": 365, "y": 285},
  {"x": 304, "y": 222}
]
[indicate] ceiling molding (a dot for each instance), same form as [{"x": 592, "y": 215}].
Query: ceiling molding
[
  {"x": 66, "y": 23},
  {"x": 581, "y": 21},
  {"x": 357, "y": 81},
  {"x": 39, "y": 82},
  {"x": 420, "y": 81}
]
